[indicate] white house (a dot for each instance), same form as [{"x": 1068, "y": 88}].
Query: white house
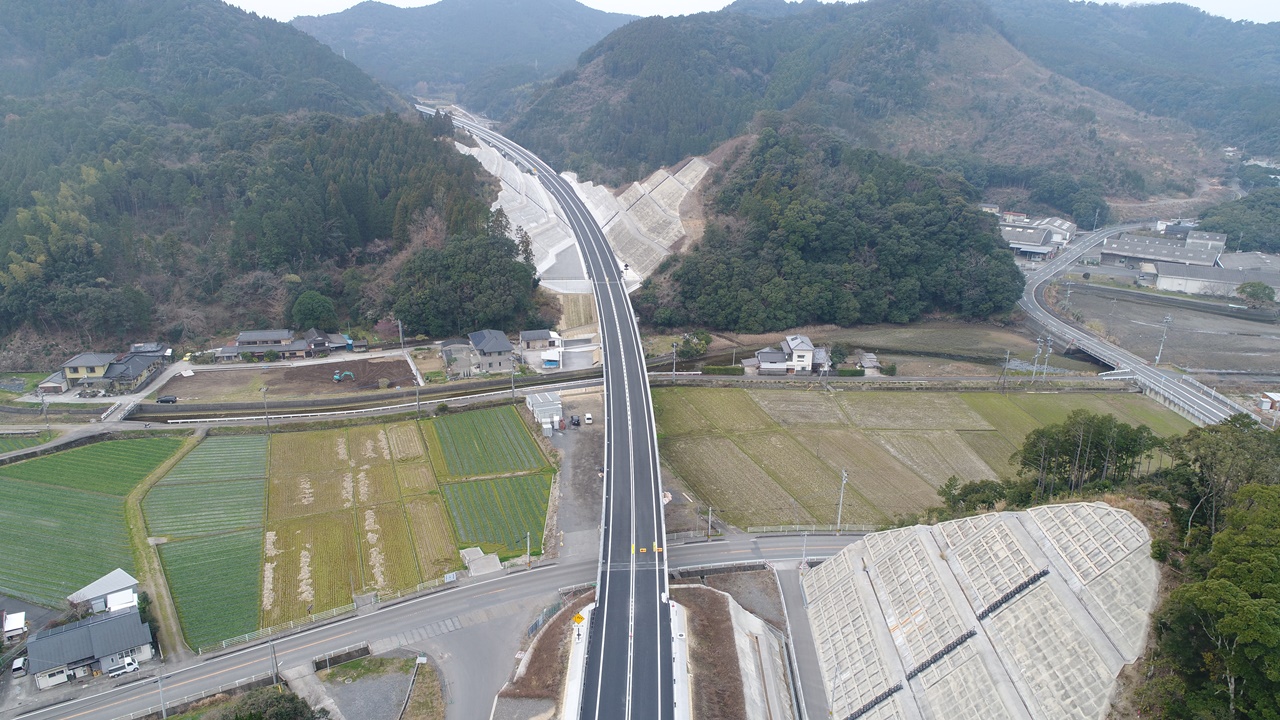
[
  {"x": 796, "y": 356},
  {"x": 113, "y": 591},
  {"x": 97, "y": 643}
]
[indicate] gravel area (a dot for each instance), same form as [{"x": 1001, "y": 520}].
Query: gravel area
[{"x": 378, "y": 695}]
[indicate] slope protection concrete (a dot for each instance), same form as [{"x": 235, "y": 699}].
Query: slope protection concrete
[{"x": 1006, "y": 615}]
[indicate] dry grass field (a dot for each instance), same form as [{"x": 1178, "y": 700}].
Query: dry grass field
[
  {"x": 799, "y": 407},
  {"x": 935, "y": 455},
  {"x": 738, "y": 489},
  {"x": 432, "y": 535},
  {"x": 888, "y": 486},
  {"x": 773, "y": 457},
  {"x": 386, "y": 548},
  {"x": 311, "y": 564}
]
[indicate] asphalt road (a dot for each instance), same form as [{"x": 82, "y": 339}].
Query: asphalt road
[
  {"x": 629, "y": 659},
  {"x": 1207, "y": 406},
  {"x": 203, "y": 674}
]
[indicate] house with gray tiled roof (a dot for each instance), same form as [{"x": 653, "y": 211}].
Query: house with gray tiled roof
[{"x": 62, "y": 654}]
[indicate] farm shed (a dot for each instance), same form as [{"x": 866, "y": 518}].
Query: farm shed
[
  {"x": 117, "y": 589},
  {"x": 96, "y": 643},
  {"x": 544, "y": 406},
  {"x": 15, "y": 625},
  {"x": 1269, "y": 401}
]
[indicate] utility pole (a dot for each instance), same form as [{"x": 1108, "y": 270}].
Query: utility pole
[
  {"x": 673, "y": 359},
  {"x": 513, "y": 377},
  {"x": 1048, "y": 352},
  {"x": 1035, "y": 361},
  {"x": 275, "y": 664},
  {"x": 528, "y": 549},
  {"x": 401, "y": 326},
  {"x": 417, "y": 400},
  {"x": 266, "y": 414},
  {"x": 708, "y": 522},
  {"x": 1164, "y": 336},
  {"x": 164, "y": 713},
  {"x": 1096, "y": 212},
  {"x": 1003, "y": 368},
  {"x": 804, "y": 550},
  {"x": 844, "y": 479}
]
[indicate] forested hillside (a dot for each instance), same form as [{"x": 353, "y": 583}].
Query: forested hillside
[
  {"x": 1166, "y": 59},
  {"x": 806, "y": 229},
  {"x": 489, "y": 54},
  {"x": 1251, "y": 223},
  {"x": 175, "y": 168},
  {"x": 929, "y": 79}
]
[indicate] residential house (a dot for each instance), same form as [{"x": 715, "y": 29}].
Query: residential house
[
  {"x": 796, "y": 355},
  {"x": 86, "y": 365},
  {"x": 113, "y": 591},
  {"x": 260, "y": 342},
  {"x": 540, "y": 339},
  {"x": 251, "y": 338},
  {"x": 869, "y": 361},
  {"x": 492, "y": 352},
  {"x": 1141, "y": 252},
  {"x": 989, "y": 208},
  {"x": 95, "y": 644}
]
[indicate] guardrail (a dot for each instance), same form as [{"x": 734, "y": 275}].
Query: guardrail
[
  {"x": 809, "y": 529},
  {"x": 690, "y": 534},
  {"x": 276, "y": 629},
  {"x": 1210, "y": 392},
  {"x": 396, "y": 595},
  {"x": 187, "y": 699}
]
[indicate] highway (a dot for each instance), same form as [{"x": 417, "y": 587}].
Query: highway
[
  {"x": 199, "y": 675},
  {"x": 629, "y": 658},
  {"x": 1207, "y": 406}
]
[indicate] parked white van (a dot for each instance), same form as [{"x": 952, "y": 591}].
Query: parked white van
[
  {"x": 20, "y": 667},
  {"x": 128, "y": 665}
]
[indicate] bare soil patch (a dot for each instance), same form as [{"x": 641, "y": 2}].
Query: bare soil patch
[
  {"x": 544, "y": 674},
  {"x": 717, "y": 679},
  {"x": 756, "y": 591},
  {"x": 245, "y": 385}
]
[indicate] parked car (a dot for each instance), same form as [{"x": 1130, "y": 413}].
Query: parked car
[
  {"x": 127, "y": 665},
  {"x": 20, "y": 667},
  {"x": 167, "y": 399},
  {"x": 575, "y": 420},
  {"x": 587, "y": 418}
]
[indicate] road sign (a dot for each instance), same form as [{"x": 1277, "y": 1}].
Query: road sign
[{"x": 577, "y": 619}]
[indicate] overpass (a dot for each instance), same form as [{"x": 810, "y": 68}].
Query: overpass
[
  {"x": 629, "y": 669},
  {"x": 1193, "y": 399}
]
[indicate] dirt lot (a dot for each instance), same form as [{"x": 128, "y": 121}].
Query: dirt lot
[
  {"x": 245, "y": 384},
  {"x": 1197, "y": 341}
]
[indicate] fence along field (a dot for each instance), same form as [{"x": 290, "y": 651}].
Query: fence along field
[
  {"x": 214, "y": 581},
  {"x": 69, "y": 507},
  {"x": 897, "y": 446}
]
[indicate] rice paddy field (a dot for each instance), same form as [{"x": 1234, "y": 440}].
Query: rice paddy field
[
  {"x": 69, "y": 508},
  {"x": 774, "y": 456},
  {"x": 330, "y": 513}
]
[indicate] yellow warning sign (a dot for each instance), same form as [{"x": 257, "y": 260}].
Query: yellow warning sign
[{"x": 577, "y": 619}]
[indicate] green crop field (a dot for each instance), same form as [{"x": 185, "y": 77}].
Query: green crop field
[
  {"x": 111, "y": 467},
  {"x": 190, "y": 509},
  {"x": 223, "y": 458},
  {"x": 215, "y": 584},
  {"x": 751, "y": 464},
  {"x": 495, "y": 514},
  {"x": 57, "y": 540},
  {"x": 485, "y": 442},
  {"x": 9, "y": 443}
]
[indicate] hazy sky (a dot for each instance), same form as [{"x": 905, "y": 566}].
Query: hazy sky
[{"x": 1256, "y": 10}]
